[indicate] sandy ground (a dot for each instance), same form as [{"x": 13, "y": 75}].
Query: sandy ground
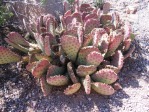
[{"x": 20, "y": 93}]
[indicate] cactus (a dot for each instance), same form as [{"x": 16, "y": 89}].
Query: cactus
[{"x": 87, "y": 48}]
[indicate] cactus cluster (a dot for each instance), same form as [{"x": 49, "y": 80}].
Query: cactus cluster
[{"x": 87, "y": 48}]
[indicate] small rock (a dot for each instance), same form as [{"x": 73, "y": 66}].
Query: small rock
[{"x": 131, "y": 9}]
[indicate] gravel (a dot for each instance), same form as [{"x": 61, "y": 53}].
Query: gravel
[{"x": 19, "y": 91}]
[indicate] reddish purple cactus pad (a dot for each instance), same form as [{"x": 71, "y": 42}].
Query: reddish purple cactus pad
[
  {"x": 84, "y": 70},
  {"x": 72, "y": 89},
  {"x": 70, "y": 46},
  {"x": 83, "y": 54},
  {"x": 71, "y": 73},
  {"x": 30, "y": 66},
  {"x": 118, "y": 59},
  {"x": 114, "y": 68},
  {"x": 40, "y": 68},
  {"x": 45, "y": 87},
  {"x": 106, "y": 7},
  {"x": 91, "y": 24},
  {"x": 94, "y": 58},
  {"x": 127, "y": 44},
  {"x": 107, "y": 76},
  {"x": 90, "y": 16},
  {"x": 58, "y": 80},
  {"x": 86, "y": 8},
  {"x": 7, "y": 56},
  {"x": 87, "y": 84},
  {"x": 104, "y": 19},
  {"x": 130, "y": 51},
  {"x": 103, "y": 89},
  {"x": 114, "y": 44},
  {"x": 17, "y": 39},
  {"x": 87, "y": 40}
]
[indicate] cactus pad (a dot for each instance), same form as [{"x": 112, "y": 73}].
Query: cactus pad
[
  {"x": 72, "y": 89},
  {"x": 84, "y": 70},
  {"x": 107, "y": 76},
  {"x": 58, "y": 80},
  {"x": 105, "y": 19},
  {"x": 118, "y": 59},
  {"x": 30, "y": 66},
  {"x": 115, "y": 43},
  {"x": 114, "y": 68},
  {"x": 17, "y": 39},
  {"x": 45, "y": 87},
  {"x": 71, "y": 73},
  {"x": 87, "y": 40},
  {"x": 87, "y": 84},
  {"x": 94, "y": 58},
  {"x": 70, "y": 46},
  {"x": 90, "y": 24},
  {"x": 103, "y": 89},
  {"x": 40, "y": 68},
  {"x": 55, "y": 70},
  {"x": 83, "y": 54},
  {"x": 7, "y": 56}
]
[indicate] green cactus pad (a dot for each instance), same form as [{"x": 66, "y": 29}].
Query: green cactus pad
[
  {"x": 84, "y": 70},
  {"x": 40, "y": 68},
  {"x": 107, "y": 76},
  {"x": 70, "y": 46},
  {"x": 94, "y": 58},
  {"x": 17, "y": 46},
  {"x": 58, "y": 80},
  {"x": 87, "y": 84},
  {"x": 42, "y": 56},
  {"x": 117, "y": 59},
  {"x": 83, "y": 54},
  {"x": 103, "y": 89},
  {"x": 114, "y": 44},
  {"x": 7, "y": 56},
  {"x": 30, "y": 66},
  {"x": 91, "y": 24},
  {"x": 105, "y": 19},
  {"x": 55, "y": 70},
  {"x": 17, "y": 39},
  {"x": 71, "y": 73},
  {"x": 72, "y": 89},
  {"x": 45, "y": 87}
]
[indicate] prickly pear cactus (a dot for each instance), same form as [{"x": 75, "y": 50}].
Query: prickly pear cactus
[{"x": 86, "y": 48}]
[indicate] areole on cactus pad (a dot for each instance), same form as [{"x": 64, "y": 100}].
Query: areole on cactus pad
[{"x": 87, "y": 48}]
